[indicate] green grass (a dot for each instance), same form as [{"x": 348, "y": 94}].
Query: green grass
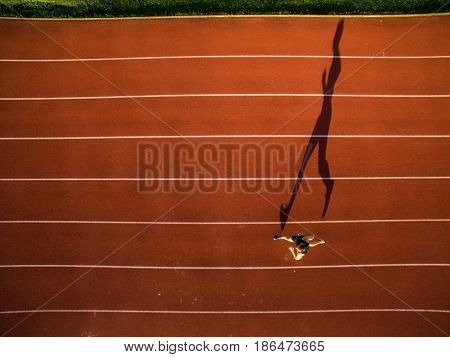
[{"x": 121, "y": 8}]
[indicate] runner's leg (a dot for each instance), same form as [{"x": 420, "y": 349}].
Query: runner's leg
[
  {"x": 289, "y": 239},
  {"x": 311, "y": 245}
]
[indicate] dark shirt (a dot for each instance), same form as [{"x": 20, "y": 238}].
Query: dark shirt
[{"x": 300, "y": 243}]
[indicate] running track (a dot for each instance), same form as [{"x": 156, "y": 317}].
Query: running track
[{"x": 77, "y": 96}]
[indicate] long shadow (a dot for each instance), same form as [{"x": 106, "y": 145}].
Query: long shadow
[{"x": 319, "y": 135}]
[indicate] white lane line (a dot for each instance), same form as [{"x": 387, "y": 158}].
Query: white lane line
[
  {"x": 222, "y": 311},
  {"x": 150, "y": 58},
  {"x": 145, "y": 267},
  {"x": 81, "y": 179},
  {"x": 226, "y": 223},
  {"x": 219, "y": 95},
  {"x": 225, "y": 136}
]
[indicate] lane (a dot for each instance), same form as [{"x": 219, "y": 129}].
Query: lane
[
  {"x": 226, "y": 290},
  {"x": 199, "y": 291},
  {"x": 226, "y": 158},
  {"x": 338, "y": 324},
  {"x": 68, "y": 79},
  {"x": 224, "y": 35},
  {"x": 121, "y": 201},
  {"x": 222, "y": 116},
  {"x": 331, "y": 324},
  {"x": 365, "y": 243}
]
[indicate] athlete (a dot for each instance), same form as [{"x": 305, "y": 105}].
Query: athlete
[{"x": 302, "y": 243}]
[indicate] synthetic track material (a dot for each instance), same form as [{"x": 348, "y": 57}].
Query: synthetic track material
[{"x": 209, "y": 266}]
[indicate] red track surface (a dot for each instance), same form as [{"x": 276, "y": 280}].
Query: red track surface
[{"x": 329, "y": 300}]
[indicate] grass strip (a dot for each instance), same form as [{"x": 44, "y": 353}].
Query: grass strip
[{"x": 127, "y": 8}]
